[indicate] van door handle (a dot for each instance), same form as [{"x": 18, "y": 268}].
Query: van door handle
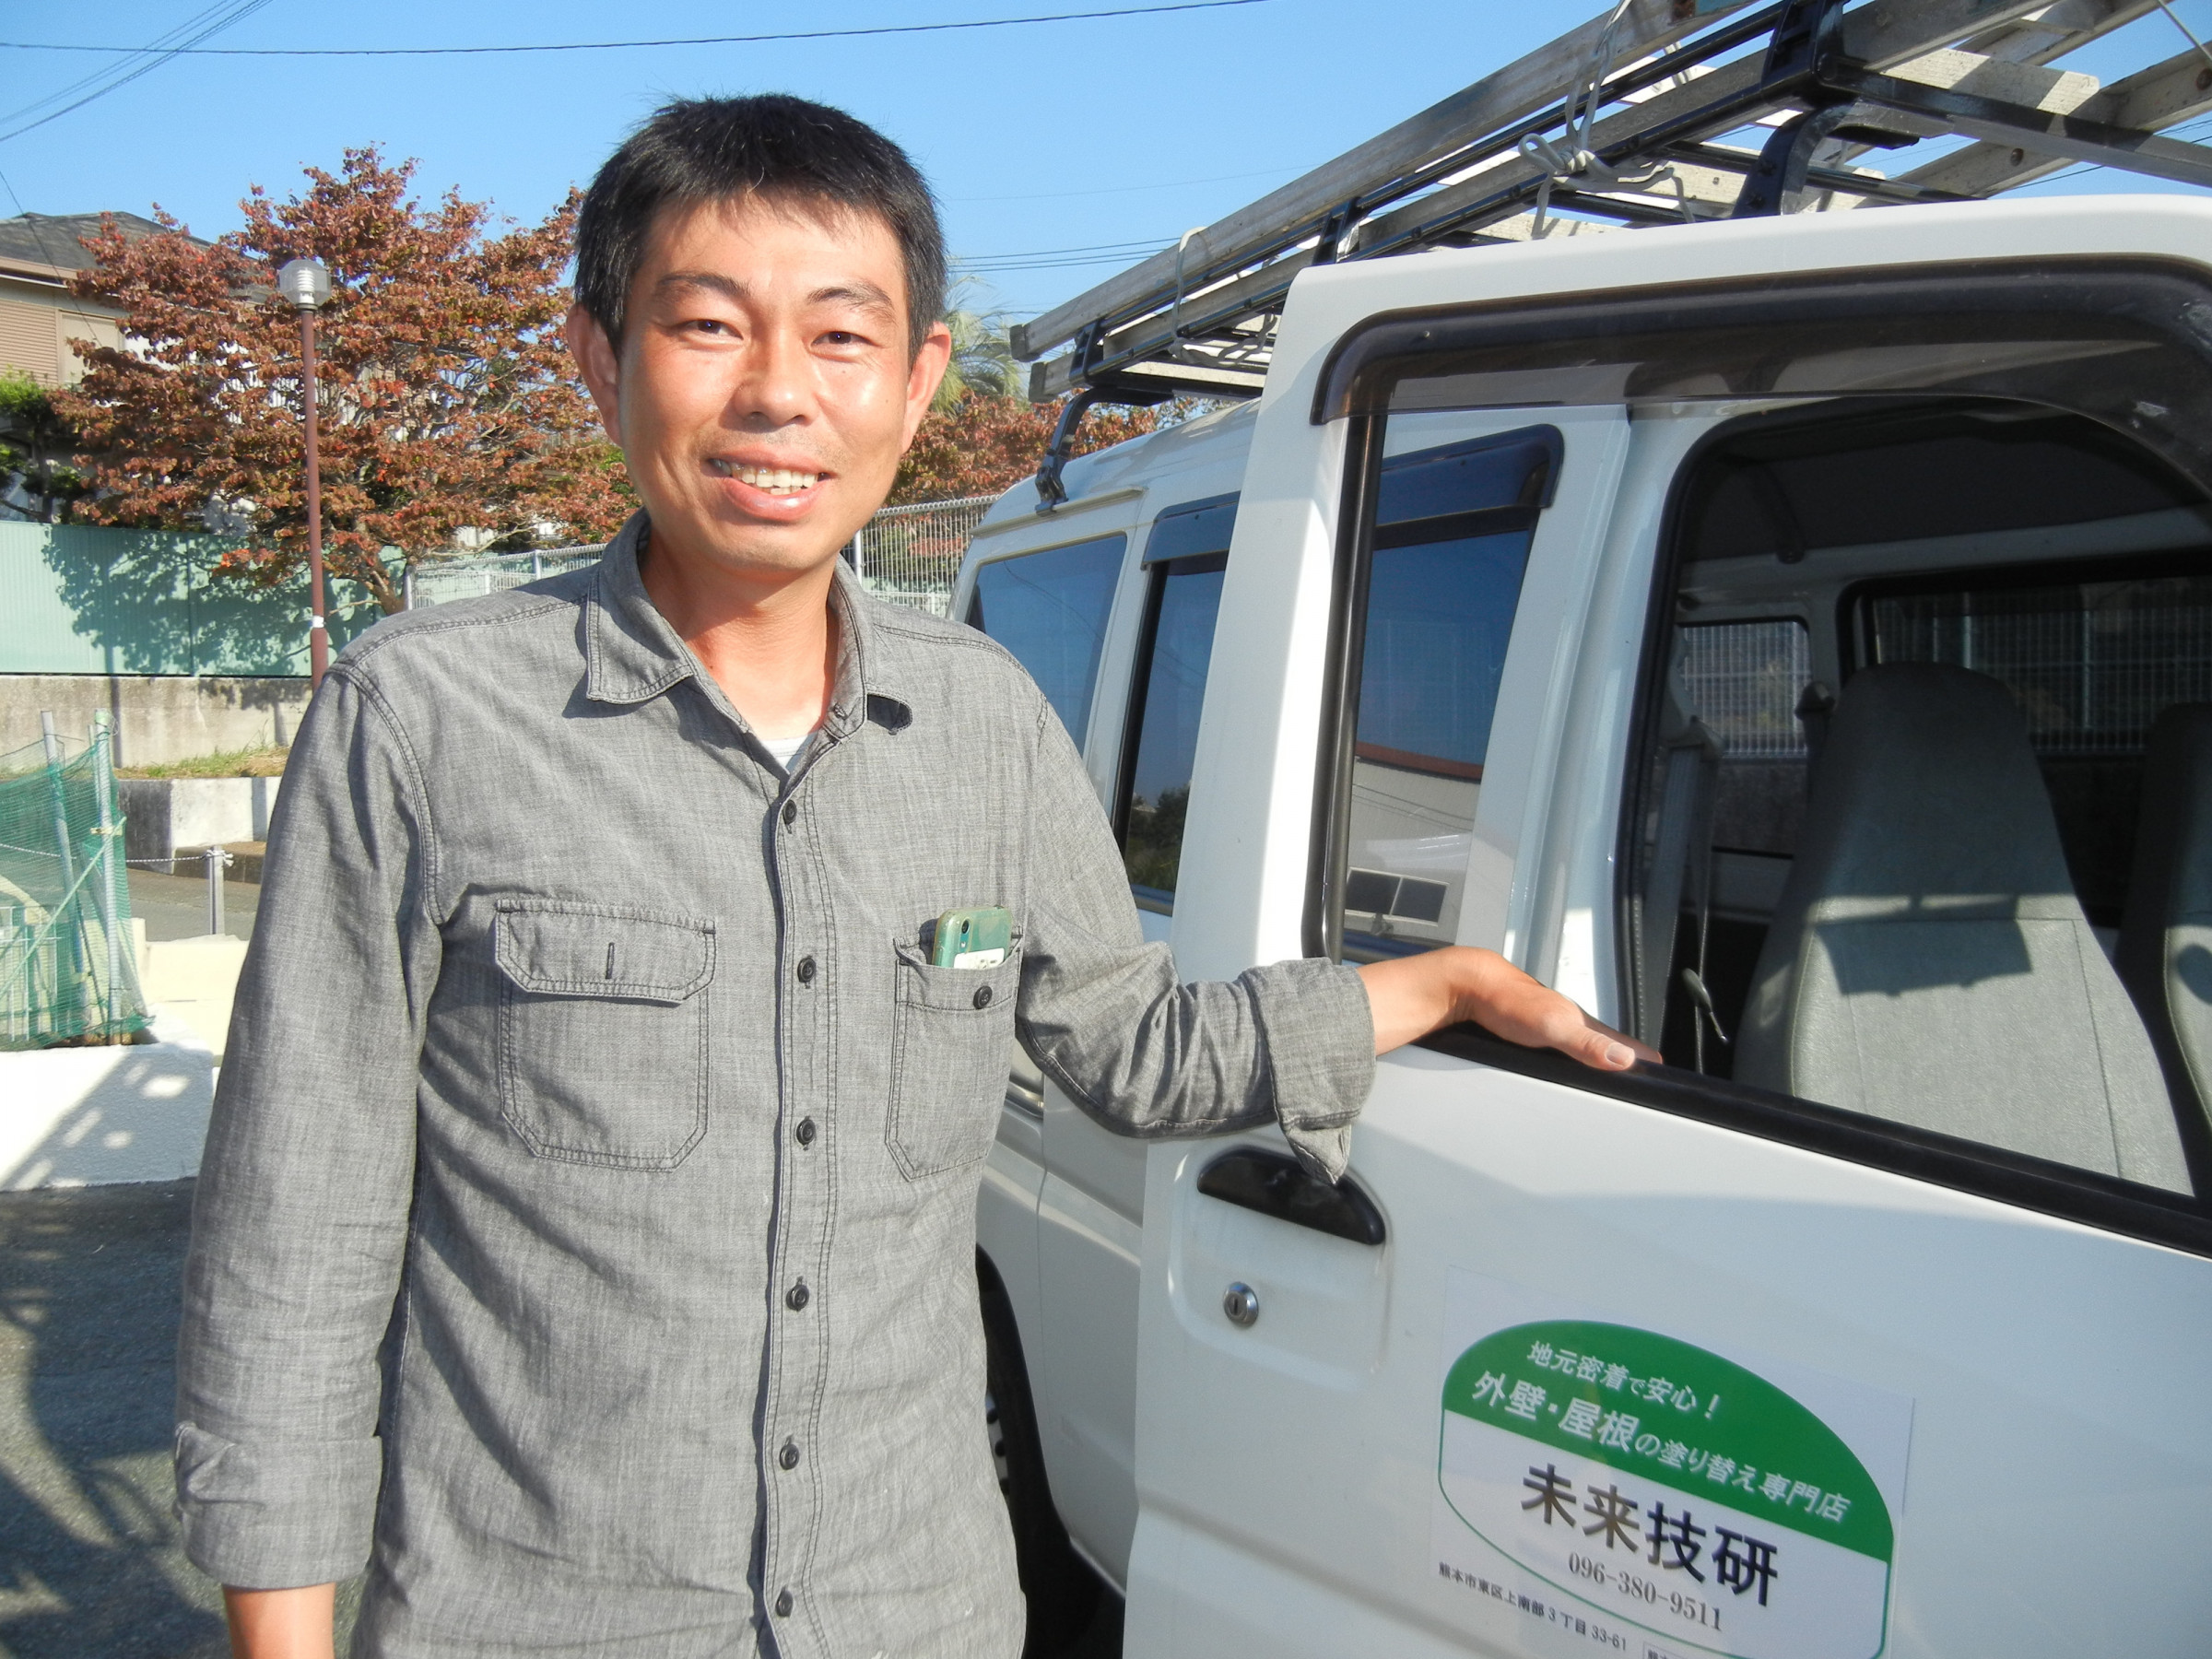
[{"x": 1277, "y": 1185}]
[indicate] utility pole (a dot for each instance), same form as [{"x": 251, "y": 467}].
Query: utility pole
[{"x": 306, "y": 283}]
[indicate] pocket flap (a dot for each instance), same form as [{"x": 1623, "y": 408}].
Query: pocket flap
[
  {"x": 558, "y": 948},
  {"x": 923, "y": 984}
]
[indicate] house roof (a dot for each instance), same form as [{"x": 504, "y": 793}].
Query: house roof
[{"x": 48, "y": 245}]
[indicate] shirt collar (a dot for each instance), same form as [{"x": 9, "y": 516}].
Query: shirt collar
[{"x": 633, "y": 655}]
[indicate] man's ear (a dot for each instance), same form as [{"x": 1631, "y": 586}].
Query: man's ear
[
  {"x": 922, "y": 379},
  {"x": 601, "y": 366}
]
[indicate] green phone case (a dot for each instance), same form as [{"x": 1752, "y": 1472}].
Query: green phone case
[{"x": 972, "y": 938}]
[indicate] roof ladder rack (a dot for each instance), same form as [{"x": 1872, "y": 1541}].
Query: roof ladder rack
[{"x": 1624, "y": 122}]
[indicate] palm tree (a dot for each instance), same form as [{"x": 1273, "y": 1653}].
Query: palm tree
[{"x": 982, "y": 360}]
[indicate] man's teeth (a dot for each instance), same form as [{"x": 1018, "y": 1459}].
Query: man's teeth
[{"x": 776, "y": 481}]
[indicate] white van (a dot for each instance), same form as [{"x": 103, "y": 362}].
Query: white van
[{"x": 1791, "y": 638}]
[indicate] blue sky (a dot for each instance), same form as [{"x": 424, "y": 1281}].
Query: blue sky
[{"x": 1096, "y": 134}]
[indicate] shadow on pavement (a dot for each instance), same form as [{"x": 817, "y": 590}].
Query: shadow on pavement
[{"x": 89, "y": 1561}]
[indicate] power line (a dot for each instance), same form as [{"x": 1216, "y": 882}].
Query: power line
[
  {"x": 811, "y": 34},
  {"x": 1055, "y": 195},
  {"x": 201, "y": 27},
  {"x": 1144, "y": 245},
  {"x": 1056, "y": 259}
]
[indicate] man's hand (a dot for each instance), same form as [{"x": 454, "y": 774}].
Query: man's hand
[
  {"x": 1411, "y": 996},
  {"x": 281, "y": 1624}
]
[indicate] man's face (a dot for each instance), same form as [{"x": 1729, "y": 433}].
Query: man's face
[{"x": 762, "y": 393}]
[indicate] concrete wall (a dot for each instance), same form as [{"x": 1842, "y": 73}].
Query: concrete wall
[
  {"x": 159, "y": 717},
  {"x": 163, "y": 817}
]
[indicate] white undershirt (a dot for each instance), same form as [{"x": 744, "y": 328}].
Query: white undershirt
[{"x": 787, "y": 749}]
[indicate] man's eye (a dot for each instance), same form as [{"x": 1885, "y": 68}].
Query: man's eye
[
  {"x": 837, "y": 337},
  {"x": 709, "y": 325}
]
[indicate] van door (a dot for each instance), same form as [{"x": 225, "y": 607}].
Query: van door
[
  {"x": 1665, "y": 1364},
  {"x": 1091, "y": 1208}
]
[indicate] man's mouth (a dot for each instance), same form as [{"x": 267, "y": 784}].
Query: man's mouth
[{"x": 771, "y": 480}]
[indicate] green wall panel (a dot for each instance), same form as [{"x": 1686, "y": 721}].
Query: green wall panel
[{"x": 78, "y": 600}]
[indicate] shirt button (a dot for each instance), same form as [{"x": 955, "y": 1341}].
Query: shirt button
[
  {"x": 806, "y": 973},
  {"x": 797, "y": 1297},
  {"x": 982, "y": 997},
  {"x": 789, "y": 1456},
  {"x": 804, "y": 1131},
  {"x": 783, "y": 1604},
  {"x": 791, "y": 814}
]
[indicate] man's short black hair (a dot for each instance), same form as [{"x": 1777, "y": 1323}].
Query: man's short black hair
[{"x": 777, "y": 148}]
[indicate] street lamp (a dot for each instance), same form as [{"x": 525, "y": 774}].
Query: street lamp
[{"x": 306, "y": 283}]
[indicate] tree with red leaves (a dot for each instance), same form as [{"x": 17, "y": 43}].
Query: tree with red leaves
[
  {"x": 447, "y": 402},
  {"x": 983, "y": 443}
]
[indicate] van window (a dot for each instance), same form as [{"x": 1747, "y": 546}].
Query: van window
[
  {"x": 1050, "y": 611},
  {"x": 1744, "y": 680},
  {"x": 1441, "y": 579},
  {"x": 1186, "y": 556},
  {"x": 1910, "y": 909}
]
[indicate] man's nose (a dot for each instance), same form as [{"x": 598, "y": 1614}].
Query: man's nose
[{"x": 776, "y": 386}]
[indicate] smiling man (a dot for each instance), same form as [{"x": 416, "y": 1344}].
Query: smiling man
[{"x": 584, "y": 1243}]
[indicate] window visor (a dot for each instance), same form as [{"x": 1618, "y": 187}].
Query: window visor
[{"x": 2127, "y": 343}]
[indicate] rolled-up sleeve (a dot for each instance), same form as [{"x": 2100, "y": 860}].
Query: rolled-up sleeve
[
  {"x": 299, "y": 1222},
  {"x": 1103, "y": 1016}
]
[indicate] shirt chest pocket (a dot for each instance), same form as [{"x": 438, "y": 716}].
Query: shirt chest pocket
[
  {"x": 603, "y": 1031},
  {"x": 952, "y": 1044}
]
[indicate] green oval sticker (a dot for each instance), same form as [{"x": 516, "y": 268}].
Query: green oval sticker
[{"x": 1673, "y": 1413}]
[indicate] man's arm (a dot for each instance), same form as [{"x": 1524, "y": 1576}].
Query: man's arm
[
  {"x": 281, "y": 1624},
  {"x": 1102, "y": 1014},
  {"x": 299, "y": 1222}
]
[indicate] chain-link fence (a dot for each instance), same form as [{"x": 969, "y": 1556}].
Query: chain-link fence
[
  {"x": 1743, "y": 680},
  {"x": 906, "y": 556},
  {"x": 434, "y": 582},
  {"x": 68, "y": 968},
  {"x": 2090, "y": 663},
  {"x": 910, "y": 555}
]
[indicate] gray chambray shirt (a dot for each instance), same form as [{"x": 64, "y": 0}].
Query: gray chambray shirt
[{"x": 588, "y": 1212}]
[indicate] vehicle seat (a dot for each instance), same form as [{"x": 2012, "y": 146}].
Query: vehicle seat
[
  {"x": 2165, "y": 955},
  {"x": 1928, "y": 962}
]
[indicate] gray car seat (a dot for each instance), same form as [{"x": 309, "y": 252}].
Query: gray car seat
[
  {"x": 1928, "y": 962},
  {"x": 2165, "y": 956}
]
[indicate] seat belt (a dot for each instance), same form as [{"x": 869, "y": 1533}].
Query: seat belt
[{"x": 1682, "y": 850}]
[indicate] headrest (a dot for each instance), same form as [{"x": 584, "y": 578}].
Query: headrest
[{"x": 1928, "y": 793}]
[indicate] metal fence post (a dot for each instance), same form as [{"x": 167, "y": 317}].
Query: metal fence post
[
  {"x": 217, "y": 858},
  {"x": 111, "y": 853}
]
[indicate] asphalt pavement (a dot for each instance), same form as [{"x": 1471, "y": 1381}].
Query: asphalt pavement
[
  {"x": 175, "y": 907},
  {"x": 90, "y": 1563}
]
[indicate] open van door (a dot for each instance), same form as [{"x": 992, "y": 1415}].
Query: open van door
[{"x": 1895, "y": 1340}]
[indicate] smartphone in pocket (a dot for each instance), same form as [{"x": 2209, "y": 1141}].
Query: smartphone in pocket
[{"x": 978, "y": 937}]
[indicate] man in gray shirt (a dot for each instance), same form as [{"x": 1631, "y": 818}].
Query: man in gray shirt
[{"x": 585, "y": 1240}]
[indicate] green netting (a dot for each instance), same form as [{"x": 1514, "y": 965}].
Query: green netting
[{"x": 68, "y": 972}]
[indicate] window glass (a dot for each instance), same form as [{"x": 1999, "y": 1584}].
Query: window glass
[
  {"x": 2089, "y": 662},
  {"x": 1050, "y": 611},
  {"x": 1449, "y": 547},
  {"x": 1167, "y": 743},
  {"x": 1744, "y": 680},
  {"x": 1916, "y": 905},
  {"x": 1187, "y": 554}
]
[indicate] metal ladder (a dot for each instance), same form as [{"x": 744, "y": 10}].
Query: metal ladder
[{"x": 1618, "y": 124}]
